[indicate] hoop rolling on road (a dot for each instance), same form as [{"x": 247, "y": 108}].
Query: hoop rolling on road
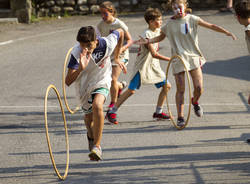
[
  {"x": 47, "y": 132},
  {"x": 172, "y": 59},
  {"x": 63, "y": 84}
]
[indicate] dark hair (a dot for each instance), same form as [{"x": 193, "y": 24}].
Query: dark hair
[
  {"x": 86, "y": 34},
  {"x": 242, "y": 9},
  {"x": 171, "y": 2},
  {"x": 110, "y": 7},
  {"x": 152, "y": 14}
]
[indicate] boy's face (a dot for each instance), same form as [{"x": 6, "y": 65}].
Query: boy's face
[
  {"x": 156, "y": 23},
  {"x": 106, "y": 15},
  {"x": 89, "y": 45},
  {"x": 179, "y": 9}
]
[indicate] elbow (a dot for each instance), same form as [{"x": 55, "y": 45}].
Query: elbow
[
  {"x": 154, "y": 55},
  {"x": 67, "y": 82}
]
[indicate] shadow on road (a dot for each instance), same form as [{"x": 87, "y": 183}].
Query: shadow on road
[{"x": 238, "y": 68}]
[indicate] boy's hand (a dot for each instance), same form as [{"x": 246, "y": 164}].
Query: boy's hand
[
  {"x": 141, "y": 41},
  {"x": 122, "y": 66},
  {"x": 232, "y": 35},
  {"x": 84, "y": 59}
]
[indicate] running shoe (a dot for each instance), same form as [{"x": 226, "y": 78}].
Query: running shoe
[
  {"x": 198, "y": 110},
  {"x": 180, "y": 122},
  {"x": 96, "y": 153},
  {"x": 124, "y": 85},
  {"x": 111, "y": 117},
  {"x": 161, "y": 116},
  {"x": 91, "y": 143}
]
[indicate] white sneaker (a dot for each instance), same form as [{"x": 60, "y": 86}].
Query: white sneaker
[{"x": 96, "y": 153}]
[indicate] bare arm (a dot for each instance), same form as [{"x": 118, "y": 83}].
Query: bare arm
[
  {"x": 155, "y": 54},
  {"x": 72, "y": 73},
  {"x": 215, "y": 28},
  {"x": 143, "y": 41},
  {"x": 129, "y": 41}
]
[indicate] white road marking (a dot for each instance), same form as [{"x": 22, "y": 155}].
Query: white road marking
[
  {"x": 126, "y": 105},
  {"x": 34, "y": 36}
]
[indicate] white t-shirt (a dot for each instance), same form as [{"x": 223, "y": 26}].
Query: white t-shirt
[
  {"x": 104, "y": 29},
  {"x": 149, "y": 67},
  {"x": 183, "y": 37},
  {"x": 98, "y": 72}
]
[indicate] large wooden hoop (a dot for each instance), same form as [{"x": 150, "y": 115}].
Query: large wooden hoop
[
  {"x": 47, "y": 132},
  {"x": 190, "y": 92},
  {"x": 63, "y": 84}
]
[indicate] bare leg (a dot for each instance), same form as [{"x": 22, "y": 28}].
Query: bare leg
[
  {"x": 229, "y": 3},
  {"x": 124, "y": 96},
  {"x": 197, "y": 78},
  {"x": 88, "y": 119},
  {"x": 162, "y": 96},
  {"x": 180, "y": 90},
  {"x": 98, "y": 118},
  {"x": 116, "y": 71}
]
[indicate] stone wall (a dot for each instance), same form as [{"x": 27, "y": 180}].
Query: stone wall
[
  {"x": 83, "y": 7},
  {"x": 21, "y": 9}
]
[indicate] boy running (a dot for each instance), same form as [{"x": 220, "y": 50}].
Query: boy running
[
  {"x": 147, "y": 68},
  {"x": 90, "y": 68}
]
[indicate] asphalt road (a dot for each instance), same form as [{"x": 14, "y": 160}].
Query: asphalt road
[{"x": 211, "y": 149}]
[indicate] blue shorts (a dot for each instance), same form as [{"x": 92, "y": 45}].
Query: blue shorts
[{"x": 135, "y": 83}]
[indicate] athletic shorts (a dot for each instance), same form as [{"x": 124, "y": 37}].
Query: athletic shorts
[
  {"x": 135, "y": 83},
  {"x": 125, "y": 61},
  {"x": 103, "y": 91}
]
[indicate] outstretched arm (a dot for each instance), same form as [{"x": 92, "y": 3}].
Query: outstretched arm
[
  {"x": 143, "y": 41},
  {"x": 216, "y": 28}
]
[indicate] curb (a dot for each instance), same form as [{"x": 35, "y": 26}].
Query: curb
[{"x": 8, "y": 21}]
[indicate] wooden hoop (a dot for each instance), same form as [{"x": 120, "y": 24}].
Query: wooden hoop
[
  {"x": 47, "y": 133},
  {"x": 63, "y": 84},
  {"x": 190, "y": 93}
]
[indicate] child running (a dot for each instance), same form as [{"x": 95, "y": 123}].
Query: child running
[
  {"x": 109, "y": 23},
  {"x": 90, "y": 68},
  {"x": 242, "y": 11},
  {"x": 147, "y": 68},
  {"x": 181, "y": 31}
]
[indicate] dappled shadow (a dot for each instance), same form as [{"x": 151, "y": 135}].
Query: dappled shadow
[{"x": 221, "y": 161}]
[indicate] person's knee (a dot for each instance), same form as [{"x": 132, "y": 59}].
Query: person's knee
[
  {"x": 198, "y": 90},
  {"x": 131, "y": 92},
  {"x": 180, "y": 90},
  {"x": 114, "y": 81},
  {"x": 97, "y": 106}
]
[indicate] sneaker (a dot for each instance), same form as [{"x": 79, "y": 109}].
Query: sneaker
[
  {"x": 91, "y": 143},
  {"x": 161, "y": 116},
  {"x": 180, "y": 122},
  {"x": 124, "y": 85},
  {"x": 111, "y": 117},
  {"x": 96, "y": 153},
  {"x": 198, "y": 110}
]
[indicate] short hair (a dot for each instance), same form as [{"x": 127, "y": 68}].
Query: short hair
[
  {"x": 152, "y": 14},
  {"x": 110, "y": 7},
  {"x": 242, "y": 9},
  {"x": 86, "y": 34}
]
